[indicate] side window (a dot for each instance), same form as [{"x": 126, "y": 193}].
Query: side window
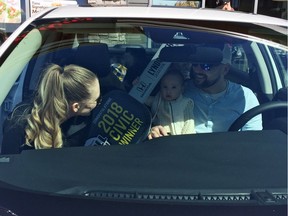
[
  {"x": 239, "y": 58},
  {"x": 280, "y": 59}
]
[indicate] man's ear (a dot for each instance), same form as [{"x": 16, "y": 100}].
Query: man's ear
[
  {"x": 75, "y": 107},
  {"x": 226, "y": 69}
]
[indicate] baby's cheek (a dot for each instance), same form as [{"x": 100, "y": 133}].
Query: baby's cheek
[{"x": 163, "y": 93}]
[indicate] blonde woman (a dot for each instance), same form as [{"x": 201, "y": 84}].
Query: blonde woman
[{"x": 58, "y": 115}]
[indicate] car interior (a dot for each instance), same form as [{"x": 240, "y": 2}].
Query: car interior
[{"x": 97, "y": 46}]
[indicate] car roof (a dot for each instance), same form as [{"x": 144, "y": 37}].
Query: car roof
[{"x": 204, "y": 14}]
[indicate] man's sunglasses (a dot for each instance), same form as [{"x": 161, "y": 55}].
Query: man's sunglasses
[{"x": 205, "y": 67}]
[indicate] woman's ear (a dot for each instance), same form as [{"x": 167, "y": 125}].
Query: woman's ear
[{"x": 75, "y": 107}]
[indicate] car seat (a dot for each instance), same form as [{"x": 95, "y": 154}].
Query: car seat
[{"x": 95, "y": 57}]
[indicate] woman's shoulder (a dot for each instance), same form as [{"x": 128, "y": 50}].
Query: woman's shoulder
[
  {"x": 17, "y": 116},
  {"x": 14, "y": 129},
  {"x": 22, "y": 108}
]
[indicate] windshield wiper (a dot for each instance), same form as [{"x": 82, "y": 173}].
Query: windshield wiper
[{"x": 261, "y": 197}]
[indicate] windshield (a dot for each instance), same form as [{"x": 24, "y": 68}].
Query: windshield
[{"x": 197, "y": 79}]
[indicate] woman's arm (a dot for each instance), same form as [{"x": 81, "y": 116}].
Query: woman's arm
[
  {"x": 14, "y": 130},
  {"x": 13, "y": 137}
]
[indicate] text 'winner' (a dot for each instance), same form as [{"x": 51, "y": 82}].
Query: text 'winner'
[{"x": 115, "y": 125}]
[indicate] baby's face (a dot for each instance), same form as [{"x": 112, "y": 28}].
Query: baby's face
[{"x": 171, "y": 87}]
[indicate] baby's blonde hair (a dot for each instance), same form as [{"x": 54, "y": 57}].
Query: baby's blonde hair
[{"x": 174, "y": 72}]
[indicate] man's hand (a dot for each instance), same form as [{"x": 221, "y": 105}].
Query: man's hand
[{"x": 157, "y": 131}]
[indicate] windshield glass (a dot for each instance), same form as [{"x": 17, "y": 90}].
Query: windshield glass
[
  {"x": 69, "y": 41},
  {"x": 165, "y": 111}
]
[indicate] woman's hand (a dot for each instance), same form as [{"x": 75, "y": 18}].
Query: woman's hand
[{"x": 157, "y": 131}]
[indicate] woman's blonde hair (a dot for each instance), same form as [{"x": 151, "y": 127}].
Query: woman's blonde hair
[{"x": 57, "y": 89}]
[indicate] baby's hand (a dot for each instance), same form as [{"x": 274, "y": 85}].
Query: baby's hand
[{"x": 157, "y": 131}]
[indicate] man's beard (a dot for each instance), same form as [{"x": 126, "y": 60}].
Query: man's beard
[{"x": 203, "y": 83}]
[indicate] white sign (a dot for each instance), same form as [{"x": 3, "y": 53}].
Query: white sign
[
  {"x": 10, "y": 11},
  {"x": 38, "y": 5},
  {"x": 149, "y": 78}
]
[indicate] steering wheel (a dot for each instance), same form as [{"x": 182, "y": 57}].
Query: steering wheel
[{"x": 246, "y": 116}]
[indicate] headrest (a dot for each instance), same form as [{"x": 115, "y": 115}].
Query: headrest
[
  {"x": 138, "y": 52},
  {"x": 95, "y": 57}
]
